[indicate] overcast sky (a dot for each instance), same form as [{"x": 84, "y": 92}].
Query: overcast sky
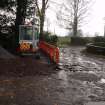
[{"x": 95, "y": 20}]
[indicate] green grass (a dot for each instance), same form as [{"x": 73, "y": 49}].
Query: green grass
[
  {"x": 101, "y": 44},
  {"x": 63, "y": 41}
]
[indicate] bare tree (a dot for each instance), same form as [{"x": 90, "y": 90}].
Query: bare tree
[
  {"x": 72, "y": 14},
  {"x": 41, "y": 7}
]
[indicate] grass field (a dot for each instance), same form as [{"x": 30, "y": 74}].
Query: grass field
[{"x": 63, "y": 41}]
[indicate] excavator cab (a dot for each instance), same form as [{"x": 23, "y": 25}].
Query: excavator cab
[{"x": 28, "y": 38}]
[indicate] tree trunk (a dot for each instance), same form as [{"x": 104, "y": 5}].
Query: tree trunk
[
  {"x": 41, "y": 28},
  {"x": 20, "y": 17},
  {"x": 75, "y": 27},
  {"x": 42, "y": 18}
]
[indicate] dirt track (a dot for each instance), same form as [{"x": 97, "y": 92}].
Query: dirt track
[{"x": 78, "y": 79}]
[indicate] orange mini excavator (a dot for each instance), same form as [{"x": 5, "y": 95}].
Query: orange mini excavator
[{"x": 29, "y": 43}]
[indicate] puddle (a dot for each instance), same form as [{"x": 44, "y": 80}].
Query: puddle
[
  {"x": 62, "y": 75},
  {"x": 102, "y": 80},
  {"x": 91, "y": 72},
  {"x": 95, "y": 103}
]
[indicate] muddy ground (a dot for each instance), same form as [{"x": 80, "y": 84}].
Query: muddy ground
[{"x": 78, "y": 80}]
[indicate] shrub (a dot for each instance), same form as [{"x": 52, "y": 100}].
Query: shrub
[
  {"x": 99, "y": 39},
  {"x": 64, "y": 41},
  {"x": 78, "y": 41},
  {"x": 52, "y": 39}
]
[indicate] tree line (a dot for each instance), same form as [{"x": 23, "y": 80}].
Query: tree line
[{"x": 14, "y": 12}]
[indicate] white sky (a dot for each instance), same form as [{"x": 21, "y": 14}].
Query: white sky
[{"x": 95, "y": 20}]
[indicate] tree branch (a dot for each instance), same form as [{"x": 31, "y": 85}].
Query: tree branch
[{"x": 37, "y": 5}]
